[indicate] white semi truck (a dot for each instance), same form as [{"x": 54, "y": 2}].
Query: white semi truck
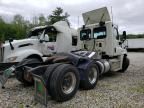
[
  {"x": 100, "y": 34},
  {"x": 102, "y": 51},
  {"x": 41, "y": 41}
]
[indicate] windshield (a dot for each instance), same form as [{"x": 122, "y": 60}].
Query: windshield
[
  {"x": 35, "y": 33},
  {"x": 50, "y": 30},
  {"x": 99, "y": 33}
]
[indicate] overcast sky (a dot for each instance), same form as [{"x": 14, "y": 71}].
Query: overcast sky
[{"x": 128, "y": 14}]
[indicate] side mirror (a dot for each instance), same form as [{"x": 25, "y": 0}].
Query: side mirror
[
  {"x": 11, "y": 40},
  {"x": 124, "y": 35},
  {"x": 46, "y": 38}
]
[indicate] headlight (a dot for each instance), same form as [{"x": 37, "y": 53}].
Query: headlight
[{"x": 11, "y": 59}]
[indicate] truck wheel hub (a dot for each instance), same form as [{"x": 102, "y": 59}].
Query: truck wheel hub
[
  {"x": 92, "y": 76},
  {"x": 68, "y": 83}
]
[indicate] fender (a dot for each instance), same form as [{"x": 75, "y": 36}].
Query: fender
[
  {"x": 82, "y": 67},
  {"x": 20, "y": 55}
]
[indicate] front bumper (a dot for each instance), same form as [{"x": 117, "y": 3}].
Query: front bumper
[{"x": 4, "y": 66}]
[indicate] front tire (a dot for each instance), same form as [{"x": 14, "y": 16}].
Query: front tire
[{"x": 125, "y": 64}]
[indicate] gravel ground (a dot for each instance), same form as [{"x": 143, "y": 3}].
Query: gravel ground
[{"x": 114, "y": 90}]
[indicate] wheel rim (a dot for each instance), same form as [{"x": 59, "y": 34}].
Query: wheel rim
[
  {"x": 68, "y": 83},
  {"x": 92, "y": 76}
]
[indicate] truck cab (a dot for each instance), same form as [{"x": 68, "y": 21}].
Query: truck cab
[
  {"x": 41, "y": 41},
  {"x": 101, "y": 35}
]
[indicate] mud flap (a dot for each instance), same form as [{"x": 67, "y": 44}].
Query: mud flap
[
  {"x": 41, "y": 93},
  {"x": 6, "y": 74}
]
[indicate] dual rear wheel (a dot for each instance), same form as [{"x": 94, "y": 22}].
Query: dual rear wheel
[{"x": 63, "y": 80}]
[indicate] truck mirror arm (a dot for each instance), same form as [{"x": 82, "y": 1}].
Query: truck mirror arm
[{"x": 12, "y": 48}]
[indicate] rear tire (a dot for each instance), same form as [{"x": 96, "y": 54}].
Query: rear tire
[
  {"x": 20, "y": 73},
  {"x": 47, "y": 75},
  {"x": 64, "y": 82},
  {"x": 91, "y": 77}
]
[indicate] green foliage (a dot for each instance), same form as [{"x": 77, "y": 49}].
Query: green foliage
[
  {"x": 133, "y": 36},
  {"x": 42, "y": 20},
  {"x": 57, "y": 15},
  {"x": 18, "y": 28}
]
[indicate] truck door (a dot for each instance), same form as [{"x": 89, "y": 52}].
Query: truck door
[
  {"x": 86, "y": 37},
  {"x": 116, "y": 42},
  {"x": 49, "y": 46}
]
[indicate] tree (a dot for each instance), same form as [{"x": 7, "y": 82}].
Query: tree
[
  {"x": 58, "y": 15},
  {"x": 42, "y": 20},
  {"x": 2, "y": 29},
  {"x": 18, "y": 19},
  {"x": 2, "y": 38},
  {"x": 1, "y": 20},
  {"x": 18, "y": 27},
  {"x": 34, "y": 21}
]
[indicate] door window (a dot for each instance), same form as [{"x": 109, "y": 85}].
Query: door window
[
  {"x": 115, "y": 32},
  {"x": 52, "y": 36},
  {"x": 85, "y": 34}
]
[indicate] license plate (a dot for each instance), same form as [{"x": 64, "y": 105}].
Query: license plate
[{"x": 6, "y": 74}]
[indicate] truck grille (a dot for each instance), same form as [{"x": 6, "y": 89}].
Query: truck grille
[{"x": 1, "y": 54}]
